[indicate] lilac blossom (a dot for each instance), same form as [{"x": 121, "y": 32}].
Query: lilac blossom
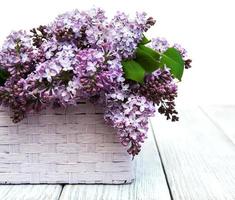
[
  {"x": 182, "y": 50},
  {"x": 97, "y": 72},
  {"x": 160, "y": 44},
  {"x": 161, "y": 89},
  {"x": 125, "y": 34},
  {"x": 17, "y": 52},
  {"x": 130, "y": 118},
  {"x": 79, "y": 56}
]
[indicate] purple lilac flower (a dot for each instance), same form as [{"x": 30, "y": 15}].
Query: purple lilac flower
[
  {"x": 160, "y": 88},
  {"x": 182, "y": 50},
  {"x": 183, "y": 53},
  {"x": 130, "y": 118},
  {"x": 78, "y": 56},
  {"x": 80, "y": 28},
  {"x": 125, "y": 34},
  {"x": 97, "y": 72},
  {"x": 17, "y": 53},
  {"x": 159, "y": 44}
]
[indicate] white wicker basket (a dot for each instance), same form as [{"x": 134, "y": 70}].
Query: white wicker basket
[{"x": 62, "y": 146}]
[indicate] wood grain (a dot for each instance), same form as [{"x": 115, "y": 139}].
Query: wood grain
[
  {"x": 150, "y": 183},
  {"x": 198, "y": 154},
  {"x": 198, "y": 158},
  {"x": 30, "y": 192},
  {"x": 223, "y": 117}
]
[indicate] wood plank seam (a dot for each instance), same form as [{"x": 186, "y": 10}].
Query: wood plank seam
[
  {"x": 61, "y": 191},
  {"x": 198, "y": 158},
  {"x": 150, "y": 183},
  {"x": 161, "y": 160}
]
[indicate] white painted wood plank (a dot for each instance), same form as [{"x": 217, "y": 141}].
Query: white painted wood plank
[
  {"x": 198, "y": 158},
  {"x": 223, "y": 117},
  {"x": 30, "y": 192},
  {"x": 150, "y": 183},
  {"x": 4, "y": 190}
]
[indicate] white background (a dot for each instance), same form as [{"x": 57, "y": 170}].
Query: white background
[{"x": 205, "y": 28}]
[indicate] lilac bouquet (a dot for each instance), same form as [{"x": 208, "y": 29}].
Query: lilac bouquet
[{"x": 85, "y": 56}]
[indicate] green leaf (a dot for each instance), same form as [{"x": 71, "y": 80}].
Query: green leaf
[
  {"x": 133, "y": 71},
  {"x": 154, "y": 54},
  {"x": 147, "y": 62},
  {"x": 173, "y": 59},
  {"x": 3, "y": 76},
  {"x": 144, "y": 41}
]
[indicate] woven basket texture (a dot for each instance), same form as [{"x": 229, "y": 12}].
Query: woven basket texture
[{"x": 71, "y": 145}]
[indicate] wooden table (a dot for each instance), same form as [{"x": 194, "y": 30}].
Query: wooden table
[{"x": 193, "y": 159}]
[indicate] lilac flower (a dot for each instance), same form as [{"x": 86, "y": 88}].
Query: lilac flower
[
  {"x": 125, "y": 34},
  {"x": 96, "y": 72},
  {"x": 182, "y": 51},
  {"x": 161, "y": 89},
  {"x": 72, "y": 88},
  {"x": 130, "y": 118},
  {"x": 66, "y": 64},
  {"x": 50, "y": 72},
  {"x": 160, "y": 44},
  {"x": 47, "y": 70},
  {"x": 79, "y": 56},
  {"x": 17, "y": 52}
]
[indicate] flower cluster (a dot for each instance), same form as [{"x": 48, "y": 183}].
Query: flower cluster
[
  {"x": 126, "y": 34},
  {"x": 130, "y": 118},
  {"x": 161, "y": 89},
  {"x": 79, "y": 56}
]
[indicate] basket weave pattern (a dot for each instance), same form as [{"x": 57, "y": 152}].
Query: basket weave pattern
[{"x": 70, "y": 145}]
